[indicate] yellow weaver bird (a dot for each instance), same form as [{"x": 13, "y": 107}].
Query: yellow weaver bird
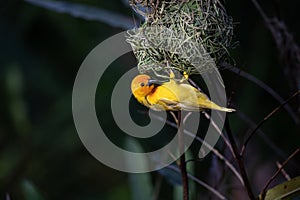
[{"x": 172, "y": 95}]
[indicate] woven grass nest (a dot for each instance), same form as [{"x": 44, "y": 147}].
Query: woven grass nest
[{"x": 190, "y": 36}]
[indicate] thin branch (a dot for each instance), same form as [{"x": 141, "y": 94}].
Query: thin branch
[
  {"x": 185, "y": 183},
  {"x": 264, "y": 137},
  {"x": 86, "y": 12},
  {"x": 219, "y": 131},
  {"x": 239, "y": 160},
  {"x": 214, "y": 150},
  {"x": 175, "y": 118},
  {"x": 205, "y": 185},
  {"x": 219, "y": 155},
  {"x": 284, "y": 173},
  {"x": 262, "y": 134},
  {"x": 286, "y": 46},
  {"x": 182, "y": 162},
  {"x": 264, "y": 86},
  {"x": 265, "y": 119},
  {"x": 261, "y": 12},
  {"x": 186, "y": 117},
  {"x": 264, "y": 191}
]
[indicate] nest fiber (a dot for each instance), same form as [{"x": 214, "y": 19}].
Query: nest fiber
[{"x": 188, "y": 36}]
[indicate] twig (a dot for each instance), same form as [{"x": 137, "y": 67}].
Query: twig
[
  {"x": 264, "y": 86},
  {"x": 219, "y": 155},
  {"x": 86, "y": 12},
  {"x": 219, "y": 131},
  {"x": 186, "y": 117},
  {"x": 264, "y": 137},
  {"x": 265, "y": 119},
  {"x": 175, "y": 118},
  {"x": 264, "y": 191},
  {"x": 286, "y": 176},
  {"x": 182, "y": 162},
  {"x": 214, "y": 150},
  {"x": 261, "y": 12},
  {"x": 200, "y": 182},
  {"x": 262, "y": 134},
  {"x": 185, "y": 183},
  {"x": 286, "y": 46},
  {"x": 239, "y": 160}
]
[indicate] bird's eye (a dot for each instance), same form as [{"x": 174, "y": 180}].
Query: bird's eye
[{"x": 142, "y": 84}]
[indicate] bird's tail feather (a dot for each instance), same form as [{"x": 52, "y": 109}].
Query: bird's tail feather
[{"x": 213, "y": 106}]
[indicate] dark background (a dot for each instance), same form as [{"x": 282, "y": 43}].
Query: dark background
[{"x": 41, "y": 155}]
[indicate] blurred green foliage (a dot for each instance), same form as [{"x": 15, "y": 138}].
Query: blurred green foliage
[{"x": 41, "y": 155}]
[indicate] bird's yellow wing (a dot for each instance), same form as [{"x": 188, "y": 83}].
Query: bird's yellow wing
[{"x": 168, "y": 104}]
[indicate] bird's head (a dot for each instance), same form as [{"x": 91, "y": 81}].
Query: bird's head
[{"x": 141, "y": 86}]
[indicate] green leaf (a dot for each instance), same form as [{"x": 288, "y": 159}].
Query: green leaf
[
  {"x": 171, "y": 176},
  {"x": 86, "y": 12},
  {"x": 289, "y": 190},
  {"x": 120, "y": 192},
  {"x": 14, "y": 82},
  {"x": 178, "y": 191},
  {"x": 140, "y": 184},
  {"x": 30, "y": 191}
]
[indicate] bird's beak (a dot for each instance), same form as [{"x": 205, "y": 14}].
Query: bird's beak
[{"x": 155, "y": 82}]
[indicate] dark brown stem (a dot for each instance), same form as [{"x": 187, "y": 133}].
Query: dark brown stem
[
  {"x": 264, "y": 191},
  {"x": 284, "y": 173},
  {"x": 265, "y": 119},
  {"x": 239, "y": 160},
  {"x": 264, "y": 86},
  {"x": 182, "y": 163},
  {"x": 261, "y": 12}
]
